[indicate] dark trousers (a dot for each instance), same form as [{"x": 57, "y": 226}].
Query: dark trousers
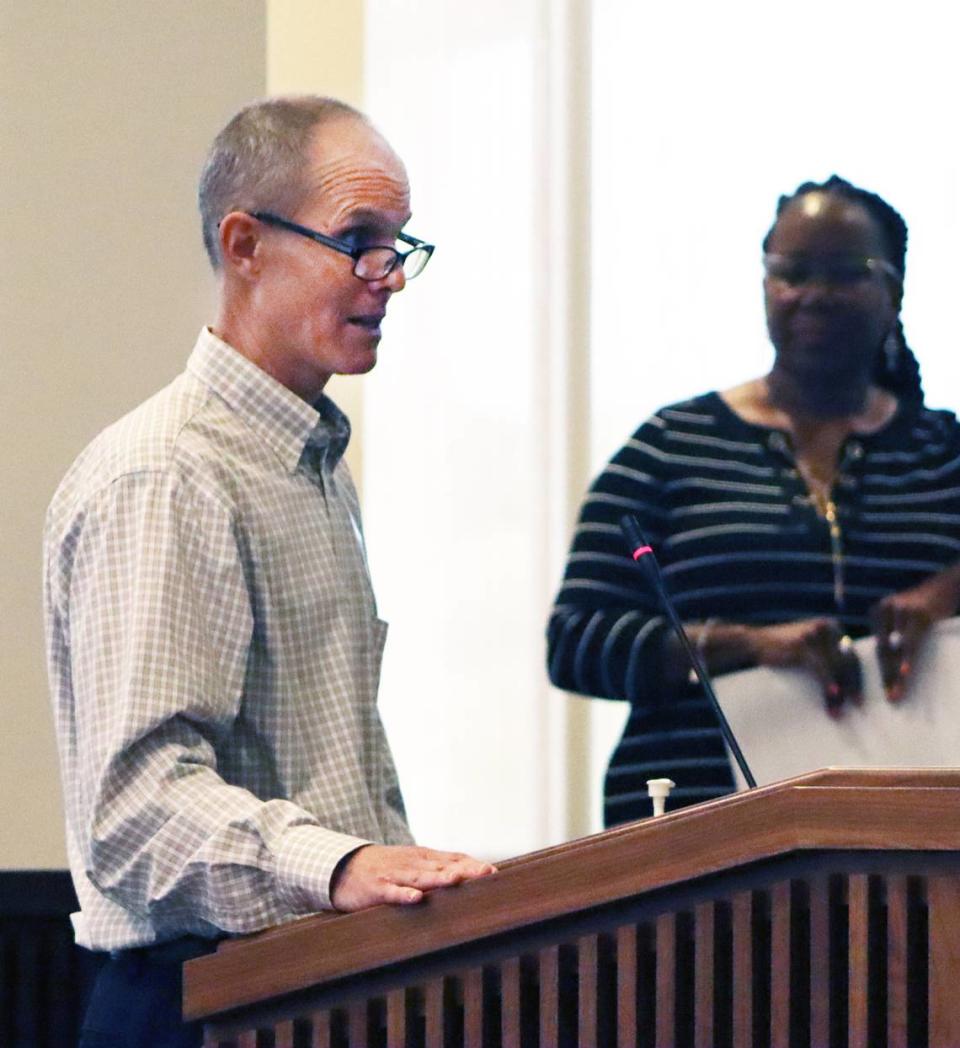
[{"x": 136, "y": 999}]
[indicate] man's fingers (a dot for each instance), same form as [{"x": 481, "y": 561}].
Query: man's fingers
[
  {"x": 397, "y": 894},
  {"x": 398, "y": 874},
  {"x": 433, "y": 869}
]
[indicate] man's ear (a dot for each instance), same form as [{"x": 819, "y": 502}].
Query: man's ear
[{"x": 240, "y": 244}]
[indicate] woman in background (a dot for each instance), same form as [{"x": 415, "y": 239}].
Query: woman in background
[{"x": 817, "y": 503}]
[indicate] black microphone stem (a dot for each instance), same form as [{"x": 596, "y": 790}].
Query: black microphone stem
[{"x": 643, "y": 556}]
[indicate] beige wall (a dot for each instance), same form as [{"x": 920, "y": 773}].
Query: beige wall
[{"x": 107, "y": 111}]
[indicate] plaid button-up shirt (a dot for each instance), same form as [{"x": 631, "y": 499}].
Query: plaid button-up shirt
[{"x": 214, "y": 655}]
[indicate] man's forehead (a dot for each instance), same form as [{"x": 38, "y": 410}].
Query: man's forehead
[
  {"x": 355, "y": 171},
  {"x": 347, "y": 144},
  {"x": 363, "y": 214}
]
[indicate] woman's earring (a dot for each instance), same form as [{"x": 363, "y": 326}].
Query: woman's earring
[{"x": 891, "y": 351}]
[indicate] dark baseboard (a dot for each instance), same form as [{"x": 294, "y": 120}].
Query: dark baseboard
[{"x": 44, "y": 976}]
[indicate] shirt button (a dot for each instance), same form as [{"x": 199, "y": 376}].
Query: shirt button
[
  {"x": 777, "y": 441},
  {"x": 855, "y": 450}
]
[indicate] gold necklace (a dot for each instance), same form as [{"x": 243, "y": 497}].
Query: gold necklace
[{"x": 821, "y": 495}]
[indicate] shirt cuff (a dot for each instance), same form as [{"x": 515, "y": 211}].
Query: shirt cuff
[{"x": 306, "y": 858}]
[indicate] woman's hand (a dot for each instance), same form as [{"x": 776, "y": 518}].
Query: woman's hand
[
  {"x": 818, "y": 646},
  {"x": 901, "y": 622}
]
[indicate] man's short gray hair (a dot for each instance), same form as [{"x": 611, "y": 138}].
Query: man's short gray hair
[{"x": 258, "y": 162}]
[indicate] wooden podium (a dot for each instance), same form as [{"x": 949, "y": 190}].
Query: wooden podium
[{"x": 820, "y": 911}]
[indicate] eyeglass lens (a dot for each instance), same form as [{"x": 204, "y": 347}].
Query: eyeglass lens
[
  {"x": 840, "y": 272},
  {"x": 376, "y": 262}
]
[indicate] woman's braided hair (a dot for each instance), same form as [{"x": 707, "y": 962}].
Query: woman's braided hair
[{"x": 897, "y": 372}]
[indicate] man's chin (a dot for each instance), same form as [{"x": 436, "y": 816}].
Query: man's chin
[{"x": 360, "y": 363}]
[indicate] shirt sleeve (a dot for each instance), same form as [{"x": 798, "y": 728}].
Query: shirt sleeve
[
  {"x": 157, "y": 623},
  {"x": 605, "y": 635}
]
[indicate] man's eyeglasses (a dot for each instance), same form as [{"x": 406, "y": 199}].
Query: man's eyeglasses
[
  {"x": 841, "y": 272},
  {"x": 369, "y": 263}
]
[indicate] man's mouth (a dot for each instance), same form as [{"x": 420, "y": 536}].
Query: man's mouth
[{"x": 368, "y": 321}]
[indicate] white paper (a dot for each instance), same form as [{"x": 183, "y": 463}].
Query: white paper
[{"x": 779, "y": 720}]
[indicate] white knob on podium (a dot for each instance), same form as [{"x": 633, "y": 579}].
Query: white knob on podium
[{"x": 659, "y": 791}]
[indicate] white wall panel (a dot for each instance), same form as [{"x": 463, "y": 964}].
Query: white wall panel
[{"x": 456, "y": 452}]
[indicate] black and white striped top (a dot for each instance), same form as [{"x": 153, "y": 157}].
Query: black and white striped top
[{"x": 737, "y": 538}]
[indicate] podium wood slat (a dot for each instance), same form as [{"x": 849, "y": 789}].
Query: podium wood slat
[
  {"x": 550, "y": 997},
  {"x": 473, "y": 1024},
  {"x": 858, "y": 954},
  {"x": 510, "y": 1003},
  {"x": 943, "y": 900},
  {"x": 703, "y": 975},
  {"x": 780, "y": 983},
  {"x": 587, "y": 961},
  {"x": 434, "y": 1013},
  {"x": 897, "y": 969},
  {"x": 397, "y": 1019},
  {"x": 666, "y": 980},
  {"x": 743, "y": 968},
  {"x": 358, "y": 1025},
  {"x": 320, "y": 1030},
  {"x": 627, "y": 986},
  {"x": 819, "y": 894}
]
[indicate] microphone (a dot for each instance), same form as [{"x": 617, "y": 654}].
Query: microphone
[{"x": 642, "y": 554}]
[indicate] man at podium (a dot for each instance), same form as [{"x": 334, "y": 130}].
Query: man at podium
[{"x": 214, "y": 647}]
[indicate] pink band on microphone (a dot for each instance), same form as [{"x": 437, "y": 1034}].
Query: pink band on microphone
[{"x": 642, "y": 551}]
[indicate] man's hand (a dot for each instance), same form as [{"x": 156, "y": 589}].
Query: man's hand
[
  {"x": 901, "y": 622},
  {"x": 819, "y": 646},
  {"x": 379, "y": 873}
]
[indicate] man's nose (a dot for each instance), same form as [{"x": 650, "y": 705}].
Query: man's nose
[{"x": 396, "y": 279}]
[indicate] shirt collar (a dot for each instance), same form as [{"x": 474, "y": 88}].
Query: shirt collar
[{"x": 289, "y": 424}]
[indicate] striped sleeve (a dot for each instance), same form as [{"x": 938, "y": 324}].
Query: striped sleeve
[{"x": 605, "y": 636}]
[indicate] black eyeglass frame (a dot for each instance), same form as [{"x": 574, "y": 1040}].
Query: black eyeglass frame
[{"x": 356, "y": 253}]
